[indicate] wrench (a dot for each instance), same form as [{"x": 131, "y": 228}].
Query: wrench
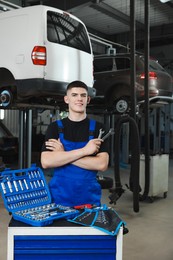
[
  {"x": 111, "y": 132},
  {"x": 101, "y": 132}
]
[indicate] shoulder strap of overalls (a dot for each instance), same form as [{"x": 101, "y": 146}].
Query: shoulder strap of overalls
[
  {"x": 60, "y": 128},
  {"x": 92, "y": 129}
]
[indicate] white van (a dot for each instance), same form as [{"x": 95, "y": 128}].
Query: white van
[{"x": 42, "y": 49}]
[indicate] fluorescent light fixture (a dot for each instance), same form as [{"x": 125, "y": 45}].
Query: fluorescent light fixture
[{"x": 164, "y": 1}]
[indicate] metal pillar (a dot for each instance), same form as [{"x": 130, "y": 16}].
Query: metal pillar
[
  {"x": 109, "y": 121},
  {"x": 133, "y": 59},
  {"x": 25, "y": 138},
  {"x": 28, "y": 137},
  {"x": 21, "y": 139},
  {"x": 147, "y": 141}
]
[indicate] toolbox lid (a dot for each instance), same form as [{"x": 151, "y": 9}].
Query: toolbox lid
[{"x": 24, "y": 188}]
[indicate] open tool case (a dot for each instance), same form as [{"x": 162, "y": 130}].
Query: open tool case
[{"x": 26, "y": 196}]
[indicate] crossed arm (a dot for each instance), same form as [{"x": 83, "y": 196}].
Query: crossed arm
[{"x": 82, "y": 157}]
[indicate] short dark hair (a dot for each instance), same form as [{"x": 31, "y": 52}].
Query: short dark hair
[{"x": 77, "y": 84}]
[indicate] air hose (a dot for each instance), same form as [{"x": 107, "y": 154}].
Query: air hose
[{"x": 135, "y": 161}]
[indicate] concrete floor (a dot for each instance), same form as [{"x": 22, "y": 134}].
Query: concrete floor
[{"x": 150, "y": 230}]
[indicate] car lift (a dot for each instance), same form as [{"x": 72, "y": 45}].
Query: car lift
[
  {"x": 25, "y": 138},
  {"x": 25, "y": 132}
]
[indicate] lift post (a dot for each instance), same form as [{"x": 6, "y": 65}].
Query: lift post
[{"x": 25, "y": 138}]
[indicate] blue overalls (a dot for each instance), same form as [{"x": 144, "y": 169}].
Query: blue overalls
[{"x": 72, "y": 185}]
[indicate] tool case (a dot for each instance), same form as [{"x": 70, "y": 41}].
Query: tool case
[{"x": 26, "y": 196}]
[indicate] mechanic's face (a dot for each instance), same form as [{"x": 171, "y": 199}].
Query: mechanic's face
[{"x": 77, "y": 99}]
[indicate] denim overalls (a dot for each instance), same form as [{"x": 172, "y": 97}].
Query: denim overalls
[{"x": 72, "y": 185}]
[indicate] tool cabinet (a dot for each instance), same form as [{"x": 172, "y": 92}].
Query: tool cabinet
[
  {"x": 40, "y": 229},
  {"x": 62, "y": 240}
]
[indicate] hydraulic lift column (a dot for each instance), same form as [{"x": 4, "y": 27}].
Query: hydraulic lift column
[{"x": 25, "y": 138}]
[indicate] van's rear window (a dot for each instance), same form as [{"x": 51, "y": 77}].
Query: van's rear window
[{"x": 63, "y": 29}]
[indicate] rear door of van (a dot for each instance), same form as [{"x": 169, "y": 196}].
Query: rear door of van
[{"x": 69, "y": 52}]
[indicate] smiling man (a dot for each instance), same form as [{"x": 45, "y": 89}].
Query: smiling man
[{"x": 73, "y": 149}]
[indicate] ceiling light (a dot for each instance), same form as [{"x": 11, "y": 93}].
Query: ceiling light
[{"x": 164, "y": 1}]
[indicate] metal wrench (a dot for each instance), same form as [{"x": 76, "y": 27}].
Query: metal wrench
[
  {"x": 111, "y": 132},
  {"x": 101, "y": 132}
]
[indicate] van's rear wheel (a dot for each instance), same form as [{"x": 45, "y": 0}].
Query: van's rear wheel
[{"x": 6, "y": 98}]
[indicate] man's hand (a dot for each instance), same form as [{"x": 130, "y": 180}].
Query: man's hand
[
  {"x": 54, "y": 145},
  {"x": 93, "y": 146}
]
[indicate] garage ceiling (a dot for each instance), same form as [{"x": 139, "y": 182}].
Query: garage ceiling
[{"x": 111, "y": 17}]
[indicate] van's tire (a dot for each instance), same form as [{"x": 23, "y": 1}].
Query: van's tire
[
  {"x": 6, "y": 98},
  {"x": 105, "y": 182}
]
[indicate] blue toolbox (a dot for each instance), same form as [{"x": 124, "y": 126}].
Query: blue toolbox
[{"x": 26, "y": 196}]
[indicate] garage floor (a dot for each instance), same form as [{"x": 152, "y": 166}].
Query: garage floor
[{"x": 150, "y": 231}]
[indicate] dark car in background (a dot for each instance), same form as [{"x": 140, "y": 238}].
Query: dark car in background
[{"x": 112, "y": 81}]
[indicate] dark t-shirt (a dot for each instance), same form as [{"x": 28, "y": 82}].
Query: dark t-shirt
[{"x": 75, "y": 132}]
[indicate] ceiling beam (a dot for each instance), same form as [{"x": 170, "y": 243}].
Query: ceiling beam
[
  {"x": 115, "y": 14},
  {"x": 61, "y": 4},
  {"x": 159, "y": 36}
]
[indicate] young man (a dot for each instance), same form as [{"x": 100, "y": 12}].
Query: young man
[{"x": 72, "y": 148}]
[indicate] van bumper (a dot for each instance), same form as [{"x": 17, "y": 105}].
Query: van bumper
[{"x": 28, "y": 88}]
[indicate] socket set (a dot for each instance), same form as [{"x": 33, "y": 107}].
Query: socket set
[{"x": 26, "y": 196}]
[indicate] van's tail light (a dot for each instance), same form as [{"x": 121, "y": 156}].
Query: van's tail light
[
  {"x": 151, "y": 75},
  {"x": 39, "y": 55}
]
